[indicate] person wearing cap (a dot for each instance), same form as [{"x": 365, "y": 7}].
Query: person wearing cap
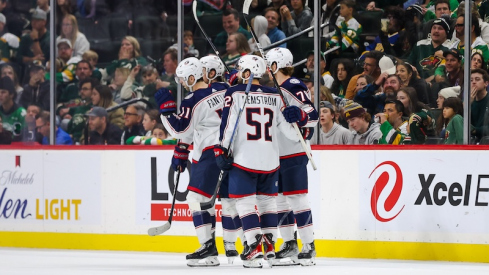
[
  {"x": 330, "y": 132},
  {"x": 326, "y": 75},
  {"x": 102, "y": 132},
  {"x": 390, "y": 82},
  {"x": 65, "y": 52},
  {"x": 423, "y": 54},
  {"x": 446, "y": 93},
  {"x": 364, "y": 130},
  {"x": 13, "y": 115},
  {"x": 450, "y": 72},
  {"x": 348, "y": 32},
  {"x": 34, "y": 46},
  {"x": 43, "y": 124}
]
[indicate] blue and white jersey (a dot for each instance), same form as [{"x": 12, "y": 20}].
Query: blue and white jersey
[
  {"x": 255, "y": 145},
  {"x": 198, "y": 121},
  {"x": 297, "y": 94}
]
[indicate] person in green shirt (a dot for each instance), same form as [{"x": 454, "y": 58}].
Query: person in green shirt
[
  {"x": 441, "y": 7},
  {"x": 13, "y": 115},
  {"x": 453, "y": 110}
]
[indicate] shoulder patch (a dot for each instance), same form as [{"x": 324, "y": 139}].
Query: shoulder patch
[{"x": 294, "y": 81}]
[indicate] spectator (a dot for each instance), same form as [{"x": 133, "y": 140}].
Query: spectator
[
  {"x": 34, "y": 46},
  {"x": 453, "y": 111},
  {"x": 330, "y": 132},
  {"x": 43, "y": 124},
  {"x": 277, "y": 4},
  {"x": 342, "y": 75},
  {"x": 423, "y": 54},
  {"x": 479, "y": 103},
  {"x": 65, "y": 52},
  {"x": 150, "y": 119},
  {"x": 274, "y": 33},
  {"x": 13, "y": 115},
  {"x": 120, "y": 77},
  {"x": 443, "y": 94},
  {"x": 92, "y": 58},
  {"x": 260, "y": 25},
  {"x": 102, "y": 97},
  {"x": 370, "y": 67},
  {"x": 388, "y": 40},
  {"x": 308, "y": 79},
  {"x": 83, "y": 70},
  {"x": 235, "y": 48},
  {"x": 159, "y": 137},
  {"x": 298, "y": 20},
  {"x": 450, "y": 74},
  {"x": 129, "y": 56},
  {"x": 70, "y": 31},
  {"x": 477, "y": 61},
  {"x": 167, "y": 80},
  {"x": 421, "y": 120},
  {"x": 364, "y": 131},
  {"x": 150, "y": 76},
  {"x": 30, "y": 133},
  {"x": 477, "y": 43},
  {"x": 132, "y": 123},
  {"x": 63, "y": 8},
  {"x": 188, "y": 45},
  {"x": 414, "y": 28},
  {"x": 442, "y": 7},
  {"x": 326, "y": 17},
  {"x": 102, "y": 132},
  {"x": 37, "y": 90},
  {"x": 326, "y": 75},
  {"x": 8, "y": 43},
  {"x": 7, "y": 70},
  {"x": 348, "y": 33},
  {"x": 362, "y": 82},
  {"x": 230, "y": 23},
  {"x": 393, "y": 125},
  {"x": 130, "y": 89},
  {"x": 410, "y": 78},
  {"x": 5, "y": 135}
]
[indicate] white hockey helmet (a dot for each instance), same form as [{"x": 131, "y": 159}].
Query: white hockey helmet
[
  {"x": 212, "y": 62},
  {"x": 253, "y": 63},
  {"x": 281, "y": 56},
  {"x": 188, "y": 67}
]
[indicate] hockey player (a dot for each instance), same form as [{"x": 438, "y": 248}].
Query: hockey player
[
  {"x": 292, "y": 203},
  {"x": 231, "y": 223},
  {"x": 253, "y": 166},
  {"x": 197, "y": 122}
]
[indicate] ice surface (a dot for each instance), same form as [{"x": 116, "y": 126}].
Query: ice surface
[{"x": 15, "y": 261}]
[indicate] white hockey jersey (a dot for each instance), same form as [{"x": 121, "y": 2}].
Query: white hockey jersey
[
  {"x": 199, "y": 120},
  {"x": 255, "y": 145},
  {"x": 297, "y": 94}
]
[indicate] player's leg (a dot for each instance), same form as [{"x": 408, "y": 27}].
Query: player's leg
[
  {"x": 242, "y": 187},
  {"x": 232, "y": 228},
  {"x": 267, "y": 189}
]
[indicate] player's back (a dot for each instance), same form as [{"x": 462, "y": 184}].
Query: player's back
[{"x": 255, "y": 147}]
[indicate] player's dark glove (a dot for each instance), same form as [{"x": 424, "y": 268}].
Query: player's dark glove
[
  {"x": 307, "y": 133},
  {"x": 295, "y": 114},
  {"x": 223, "y": 161},
  {"x": 165, "y": 101},
  {"x": 180, "y": 157},
  {"x": 232, "y": 77}
]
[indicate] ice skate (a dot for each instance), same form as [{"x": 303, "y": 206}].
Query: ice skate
[
  {"x": 269, "y": 248},
  {"x": 252, "y": 254},
  {"x": 308, "y": 254},
  {"x": 205, "y": 256},
  {"x": 231, "y": 252},
  {"x": 287, "y": 254}
]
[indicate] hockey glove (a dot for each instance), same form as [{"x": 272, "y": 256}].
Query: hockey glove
[
  {"x": 232, "y": 77},
  {"x": 223, "y": 161},
  {"x": 295, "y": 114},
  {"x": 307, "y": 133},
  {"x": 180, "y": 158},
  {"x": 165, "y": 101}
]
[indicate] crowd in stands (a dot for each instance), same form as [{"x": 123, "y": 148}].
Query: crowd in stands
[{"x": 396, "y": 78}]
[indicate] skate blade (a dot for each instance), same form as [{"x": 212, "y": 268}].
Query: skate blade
[
  {"x": 209, "y": 261},
  {"x": 255, "y": 263},
  {"x": 288, "y": 261},
  {"x": 307, "y": 262},
  {"x": 231, "y": 260}
]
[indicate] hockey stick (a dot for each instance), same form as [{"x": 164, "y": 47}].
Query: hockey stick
[
  {"x": 194, "y": 10},
  {"x": 246, "y": 7},
  {"x": 153, "y": 231},
  {"x": 208, "y": 204}
]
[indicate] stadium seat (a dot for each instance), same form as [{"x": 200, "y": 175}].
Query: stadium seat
[
  {"x": 484, "y": 140},
  {"x": 147, "y": 27},
  {"x": 202, "y": 45},
  {"x": 434, "y": 140},
  {"x": 370, "y": 21},
  {"x": 106, "y": 50},
  {"x": 154, "y": 48},
  {"x": 212, "y": 25},
  {"x": 300, "y": 46}
]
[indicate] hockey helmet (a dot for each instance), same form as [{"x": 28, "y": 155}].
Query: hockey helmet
[
  {"x": 188, "y": 67},
  {"x": 212, "y": 62},
  {"x": 281, "y": 56},
  {"x": 254, "y": 64}
]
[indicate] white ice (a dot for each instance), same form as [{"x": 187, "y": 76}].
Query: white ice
[{"x": 15, "y": 261}]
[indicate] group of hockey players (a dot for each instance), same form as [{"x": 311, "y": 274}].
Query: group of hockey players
[{"x": 247, "y": 134}]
